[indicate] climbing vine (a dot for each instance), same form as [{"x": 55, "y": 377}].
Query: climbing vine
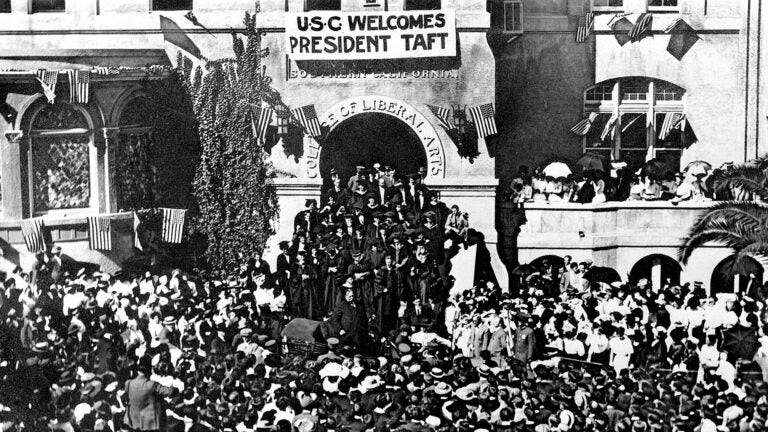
[{"x": 234, "y": 182}]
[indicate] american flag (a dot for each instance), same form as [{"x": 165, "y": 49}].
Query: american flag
[
  {"x": 671, "y": 121},
  {"x": 586, "y": 23},
  {"x": 307, "y": 116},
  {"x": 136, "y": 239},
  {"x": 443, "y": 116},
  {"x": 173, "y": 225},
  {"x": 79, "y": 83},
  {"x": 261, "y": 117},
  {"x": 483, "y": 117},
  {"x": 642, "y": 26},
  {"x": 582, "y": 128},
  {"x": 48, "y": 80},
  {"x": 32, "y": 231},
  {"x": 672, "y": 25},
  {"x": 610, "y": 127},
  {"x": 100, "y": 233}
]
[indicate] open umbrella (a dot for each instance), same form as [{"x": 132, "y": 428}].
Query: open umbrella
[
  {"x": 592, "y": 161},
  {"x": 524, "y": 270},
  {"x": 698, "y": 168},
  {"x": 740, "y": 342},
  {"x": 557, "y": 169},
  {"x": 655, "y": 169},
  {"x": 602, "y": 274}
]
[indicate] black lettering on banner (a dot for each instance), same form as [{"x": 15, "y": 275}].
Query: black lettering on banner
[
  {"x": 337, "y": 21},
  {"x": 440, "y": 20},
  {"x": 356, "y": 22}
]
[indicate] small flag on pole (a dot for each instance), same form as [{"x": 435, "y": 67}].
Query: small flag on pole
[
  {"x": 642, "y": 27},
  {"x": 610, "y": 127},
  {"x": 443, "y": 116},
  {"x": 307, "y": 116},
  {"x": 48, "y": 80},
  {"x": 100, "y": 233},
  {"x": 586, "y": 23},
  {"x": 136, "y": 239},
  {"x": 79, "y": 84},
  {"x": 582, "y": 128},
  {"x": 483, "y": 117},
  {"x": 261, "y": 117},
  {"x": 671, "y": 121},
  {"x": 173, "y": 225},
  {"x": 32, "y": 231}
]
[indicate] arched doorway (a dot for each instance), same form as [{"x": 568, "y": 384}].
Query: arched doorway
[
  {"x": 369, "y": 138},
  {"x": 729, "y": 273},
  {"x": 657, "y": 269}
]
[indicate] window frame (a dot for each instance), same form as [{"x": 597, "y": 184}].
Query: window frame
[
  {"x": 408, "y": 9},
  {"x": 31, "y": 8},
  {"x": 649, "y": 106},
  {"x": 675, "y": 8},
  {"x": 308, "y": 9},
  {"x": 92, "y": 162},
  {"x": 606, "y": 8},
  {"x": 512, "y": 3},
  {"x": 153, "y": 9}
]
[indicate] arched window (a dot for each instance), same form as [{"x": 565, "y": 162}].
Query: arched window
[
  {"x": 134, "y": 172},
  {"x": 59, "y": 158},
  {"x": 658, "y": 269},
  {"x": 638, "y": 119},
  {"x": 730, "y": 275}
]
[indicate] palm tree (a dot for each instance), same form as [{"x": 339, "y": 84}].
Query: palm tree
[{"x": 741, "y": 222}]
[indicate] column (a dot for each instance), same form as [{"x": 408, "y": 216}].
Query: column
[
  {"x": 736, "y": 283},
  {"x": 111, "y": 137},
  {"x": 656, "y": 273},
  {"x": 12, "y": 185}
]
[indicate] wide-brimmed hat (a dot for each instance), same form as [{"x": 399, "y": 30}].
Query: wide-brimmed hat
[
  {"x": 370, "y": 383},
  {"x": 443, "y": 389}
]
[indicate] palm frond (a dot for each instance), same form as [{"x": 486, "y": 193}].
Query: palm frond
[
  {"x": 748, "y": 178},
  {"x": 728, "y": 232},
  {"x": 738, "y": 212}
]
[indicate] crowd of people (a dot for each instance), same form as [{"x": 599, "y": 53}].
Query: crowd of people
[
  {"x": 619, "y": 183},
  {"x": 398, "y": 346}
]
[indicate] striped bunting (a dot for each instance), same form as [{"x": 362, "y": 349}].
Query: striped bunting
[
  {"x": 671, "y": 121},
  {"x": 610, "y": 127},
  {"x": 483, "y": 117},
  {"x": 586, "y": 24},
  {"x": 173, "y": 225},
  {"x": 48, "y": 80},
  {"x": 136, "y": 238},
  {"x": 642, "y": 27},
  {"x": 100, "y": 233},
  {"x": 673, "y": 24},
  {"x": 582, "y": 127},
  {"x": 443, "y": 116},
  {"x": 307, "y": 117},
  {"x": 261, "y": 117},
  {"x": 79, "y": 84},
  {"x": 32, "y": 231}
]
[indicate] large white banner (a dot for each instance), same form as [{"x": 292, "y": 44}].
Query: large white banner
[{"x": 329, "y": 35}]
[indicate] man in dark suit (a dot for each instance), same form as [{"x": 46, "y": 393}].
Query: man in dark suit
[
  {"x": 145, "y": 410},
  {"x": 349, "y": 320}
]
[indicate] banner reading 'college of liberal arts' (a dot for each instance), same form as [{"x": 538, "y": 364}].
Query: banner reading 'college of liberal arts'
[{"x": 325, "y": 35}]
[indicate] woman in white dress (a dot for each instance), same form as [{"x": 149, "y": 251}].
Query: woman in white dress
[{"x": 621, "y": 351}]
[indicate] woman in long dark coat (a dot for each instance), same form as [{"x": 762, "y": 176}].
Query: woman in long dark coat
[
  {"x": 388, "y": 284},
  {"x": 363, "y": 275},
  {"x": 334, "y": 267}
]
